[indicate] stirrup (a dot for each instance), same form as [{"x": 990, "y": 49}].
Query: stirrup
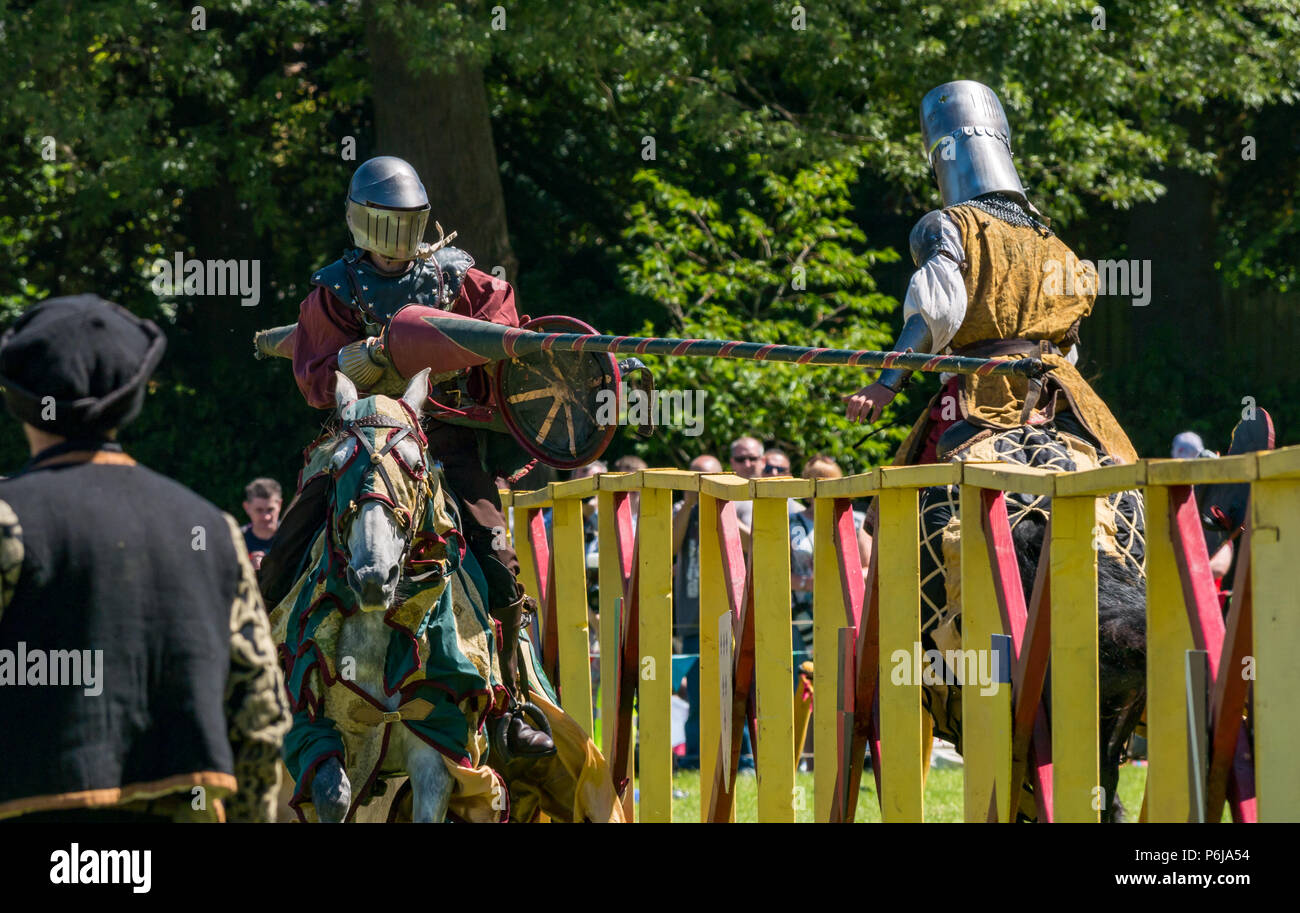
[{"x": 500, "y": 727}]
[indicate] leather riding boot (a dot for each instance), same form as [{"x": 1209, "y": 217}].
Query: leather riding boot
[{"x": 522, "y": 740}]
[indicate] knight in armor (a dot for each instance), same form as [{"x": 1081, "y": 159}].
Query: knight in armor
[
  {"x": 340, "y": 326},
  {"x": 992, "y": 280}
]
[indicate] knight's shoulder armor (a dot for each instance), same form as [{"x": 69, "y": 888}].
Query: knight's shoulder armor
[
  {"x": 377, "y": 297},
  {"x": 453, "y": 263},
  {"x": 926, "y": 239},
  {"x": 333, "y": 277}
]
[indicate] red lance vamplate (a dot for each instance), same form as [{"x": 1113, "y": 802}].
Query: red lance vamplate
[{"x": 420, "y": 337}]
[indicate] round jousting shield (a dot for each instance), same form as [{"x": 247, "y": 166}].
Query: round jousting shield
[
  {"x": 548, "y": 398},
  {"x": 551, "y": 400}
]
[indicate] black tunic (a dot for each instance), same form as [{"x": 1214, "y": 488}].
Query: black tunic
[{"x": 117, "y": 558}]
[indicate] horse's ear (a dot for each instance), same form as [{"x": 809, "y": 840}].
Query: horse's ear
[
  {"x": 417, "y": 391},
  {"x": 345, "y": 391}
]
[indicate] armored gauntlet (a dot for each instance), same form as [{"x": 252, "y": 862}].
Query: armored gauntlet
[{"x": 363, "y": 362}]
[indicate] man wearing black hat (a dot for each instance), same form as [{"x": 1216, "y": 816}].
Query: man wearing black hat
[{"x": 138, "y": 680}]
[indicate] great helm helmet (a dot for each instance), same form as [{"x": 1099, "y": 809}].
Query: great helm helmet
[
  {"x": 968, "y": 142},
  {"x": 387, "y": 208}
]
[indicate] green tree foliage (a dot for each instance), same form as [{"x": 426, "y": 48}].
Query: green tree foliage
[{"x": 790, "y": 269}]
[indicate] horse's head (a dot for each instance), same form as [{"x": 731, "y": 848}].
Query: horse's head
[{"x": 382, "y": 486}]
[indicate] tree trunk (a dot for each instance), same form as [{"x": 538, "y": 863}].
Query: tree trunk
[{"x": 440, "y": 124}]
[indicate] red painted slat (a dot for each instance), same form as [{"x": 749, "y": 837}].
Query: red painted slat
[
  {"x": 627, "y": 662},
  {"x": 1228, "y": 743},
  {"x": 1206, "y": 620},
  {"x": 1006, "y": 569}
]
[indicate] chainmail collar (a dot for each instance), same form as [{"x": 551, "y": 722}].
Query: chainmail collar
[{"x": 1001, "y": 206}]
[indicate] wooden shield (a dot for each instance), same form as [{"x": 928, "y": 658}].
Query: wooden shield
[{"x": 551, "y": 400}]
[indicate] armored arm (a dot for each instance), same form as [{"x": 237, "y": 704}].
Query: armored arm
[
  {"x": 915, "y": 336},
  {"x": 936, "y": 296}
]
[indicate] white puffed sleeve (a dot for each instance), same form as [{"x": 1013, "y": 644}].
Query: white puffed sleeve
[{"x": 937, "y": 290}]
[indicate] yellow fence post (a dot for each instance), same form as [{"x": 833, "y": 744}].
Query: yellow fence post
[
  {"x": 570, "y": 584},
  {"x": 523, "y": 545},
  {"x": 654, "y": 677},
  {"x": 1076, "y": 754},
  {"x": 773, "y": 660},
  {"x": 901, "y": 731},
  {"x": 828, "y": 619},
  {"x": 713, "y": 604},
  {"x": 986, "y": 710},
  {"x": 1275, "y": 553},
  {"x": 1169, "y": 637},
  {"x": 610, "y": 588}
]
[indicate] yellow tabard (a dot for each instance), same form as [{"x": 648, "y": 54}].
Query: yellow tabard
[{"x": 1023, "y": 283}]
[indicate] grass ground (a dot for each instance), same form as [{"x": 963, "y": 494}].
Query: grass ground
[{"x": 943, "y": 796}]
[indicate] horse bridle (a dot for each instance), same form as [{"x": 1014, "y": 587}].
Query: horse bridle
[{"x": 413, "y": 430}]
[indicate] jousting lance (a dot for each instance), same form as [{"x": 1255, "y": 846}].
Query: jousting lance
[{"x": 420, "y": 337}]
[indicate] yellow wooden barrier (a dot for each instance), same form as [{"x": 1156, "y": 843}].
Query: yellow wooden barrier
[
  {"x": 1169, "y": 637},
  {"x": 571, "y": 599},
  {"x": 612, "y": 612},
  {"x": 524, "y": 552},
  {"x": 1275, "y": 555},
  {"x": 713, "y": 606},
  {"x": 987, "y": 717},
  {"x": 902, "y": 774},
  {"x": 774, "y": 667},
  {"x": 985, "y": 709},
  {"x": 1076, "y": 753},
  {"x": 654, "y": 677},
  {"x": 715, "y": 627},
  {"x": 828, "y": 622}
]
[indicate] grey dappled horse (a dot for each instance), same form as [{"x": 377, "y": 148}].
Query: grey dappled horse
[{"x": 376, "y": 546}]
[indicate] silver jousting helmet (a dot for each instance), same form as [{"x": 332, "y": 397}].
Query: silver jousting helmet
[
  {"x": 968, "y": 142},
  {"x": 387, "y": 208}
]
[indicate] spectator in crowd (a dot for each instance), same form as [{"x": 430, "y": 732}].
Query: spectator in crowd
[
  {"x": 801, "y": 555},
  {"x": 776, "y": 464},
  {"x": 177, "y": 694},
  {"x": 590, "y": 523},
  {"x": 746, "y": 462},
  {"x": 632, "y": 463},
  {"x": 262, "y": 504},
  {"x": 1189, "y": 446}
]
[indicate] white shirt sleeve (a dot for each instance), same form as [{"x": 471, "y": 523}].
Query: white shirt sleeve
[{"x": 937, "y": 290}]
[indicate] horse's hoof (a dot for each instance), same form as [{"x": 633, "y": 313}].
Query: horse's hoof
[{"x": 331, "y": 792}]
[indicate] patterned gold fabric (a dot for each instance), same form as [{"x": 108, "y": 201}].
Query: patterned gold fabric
[
  {"x": 258, "y": 710},
  {"x": 11, "y": 553}
]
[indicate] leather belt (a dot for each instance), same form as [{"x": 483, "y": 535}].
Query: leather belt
[{"x": 1020, "y": 348}]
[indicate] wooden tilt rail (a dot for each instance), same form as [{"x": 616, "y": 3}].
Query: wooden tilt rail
[{"x": 862, "y": 620}]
